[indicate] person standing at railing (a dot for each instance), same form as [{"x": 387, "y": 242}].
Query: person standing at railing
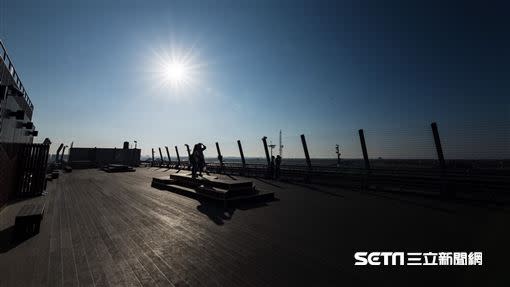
[
  {"x": 201, "y": 163},
  {"x": 193, "y": 160},
  {"x": 197, "y": 159},
  {"x": 278, "y": 162}
]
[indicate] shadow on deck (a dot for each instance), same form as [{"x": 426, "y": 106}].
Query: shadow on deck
[{"x": 8, "y": 241}]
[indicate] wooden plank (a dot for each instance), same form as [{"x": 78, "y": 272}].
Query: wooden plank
[
  {"x": 55, "y": 268},
  {"x": 105, "y": 229},
  {"x": 81, "y": 262}
]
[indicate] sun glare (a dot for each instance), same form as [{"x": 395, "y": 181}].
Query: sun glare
[
  {"x": 176, "y": 73},
  {"x": 177, "y": 70}
]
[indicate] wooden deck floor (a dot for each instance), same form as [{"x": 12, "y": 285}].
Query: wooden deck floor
[{"x": 104, "y": 229}]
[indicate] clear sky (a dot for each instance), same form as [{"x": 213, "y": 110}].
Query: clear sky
[{"x": 95, "y": 71}]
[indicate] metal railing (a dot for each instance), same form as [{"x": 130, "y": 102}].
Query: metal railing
[
  {"x": 10, "y": 67},
  {"x": 489, "y": 184}
]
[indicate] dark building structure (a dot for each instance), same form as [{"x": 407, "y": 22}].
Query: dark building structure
[
  {"x": 22, "y": 163},
  {"x": 80, "y": 157},
  {"x": 15, "y": 106}
]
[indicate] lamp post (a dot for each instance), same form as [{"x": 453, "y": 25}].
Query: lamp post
[{"x": 337, "y": 148}]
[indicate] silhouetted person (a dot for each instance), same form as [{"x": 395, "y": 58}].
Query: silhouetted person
[
  {"x": 198, "y": 152},
  {"x": 197, "y": 159},
  {"x": 193, "y": 160},
  {"x": 278, "y": 162},
  {"x": 271, "y": 167}
]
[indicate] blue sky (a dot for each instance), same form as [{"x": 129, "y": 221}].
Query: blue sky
[{"x": 323, "y": 69}]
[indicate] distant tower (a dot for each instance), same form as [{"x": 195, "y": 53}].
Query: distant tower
[
  {"x": 337, "y": 148},
  {"x": 280, "y": 146}
]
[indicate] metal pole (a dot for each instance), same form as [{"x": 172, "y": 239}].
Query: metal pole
[
  {"x": 280, "y": 146},
  {"x": 168, "y": 155},
  {"x": 58, "y": 152},
  {"x": 189, "y": 156},
  {"x": 152, "y": 163},
  {"x": 242, "y": 154},
  {"x": 337, "y": 148},
  {"x": 446, "y": 189},
  {"x": 307, "y": 155},
  {"x": 62, "y": 156},
  {"x": 220, "y": 157},
  {"x": 178, "y": 157},
  {"x": 439, "y": 148},
  {"x": 364, "y": 148},
  {"x": 160, "y": 156},
  {"x": 264, "y": 140},
  {"x": 69, "y": 152}
]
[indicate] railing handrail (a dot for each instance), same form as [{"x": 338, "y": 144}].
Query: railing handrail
[{"x": 10, "y": 67}]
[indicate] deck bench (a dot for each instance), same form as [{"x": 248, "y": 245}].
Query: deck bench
[{"x": 28, "y": 220}]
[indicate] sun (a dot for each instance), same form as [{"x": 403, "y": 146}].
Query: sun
[
  {"x": 176, "y": 70},
  {"x": 176, "y": 73}
]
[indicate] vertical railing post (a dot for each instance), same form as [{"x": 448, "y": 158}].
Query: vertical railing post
[
  {"x": 70, "y": 152},
  {"x": 152, "y": 162},
  {"x": 264, "y": 141},
  {"x": 161, "y": 157},
  {"x": 439, "y": 148},
  {"x": 47, "y": 143},
  {"x": 220, "y": 157},
  {"x": 168, "y": 155},
  {"x": 178, "y": 157},
  {"x": 189, "y": 156},
  {"x": 242, "y": 155},
  {"x": 445, "y": 189},
  {"x": 307, "y": 155},
  {"x": 57, "y": 156},
  {"x": 266, "y": 150},
  {"x": 62, "y": 157},
  {"x": 364, "y": 149}
]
